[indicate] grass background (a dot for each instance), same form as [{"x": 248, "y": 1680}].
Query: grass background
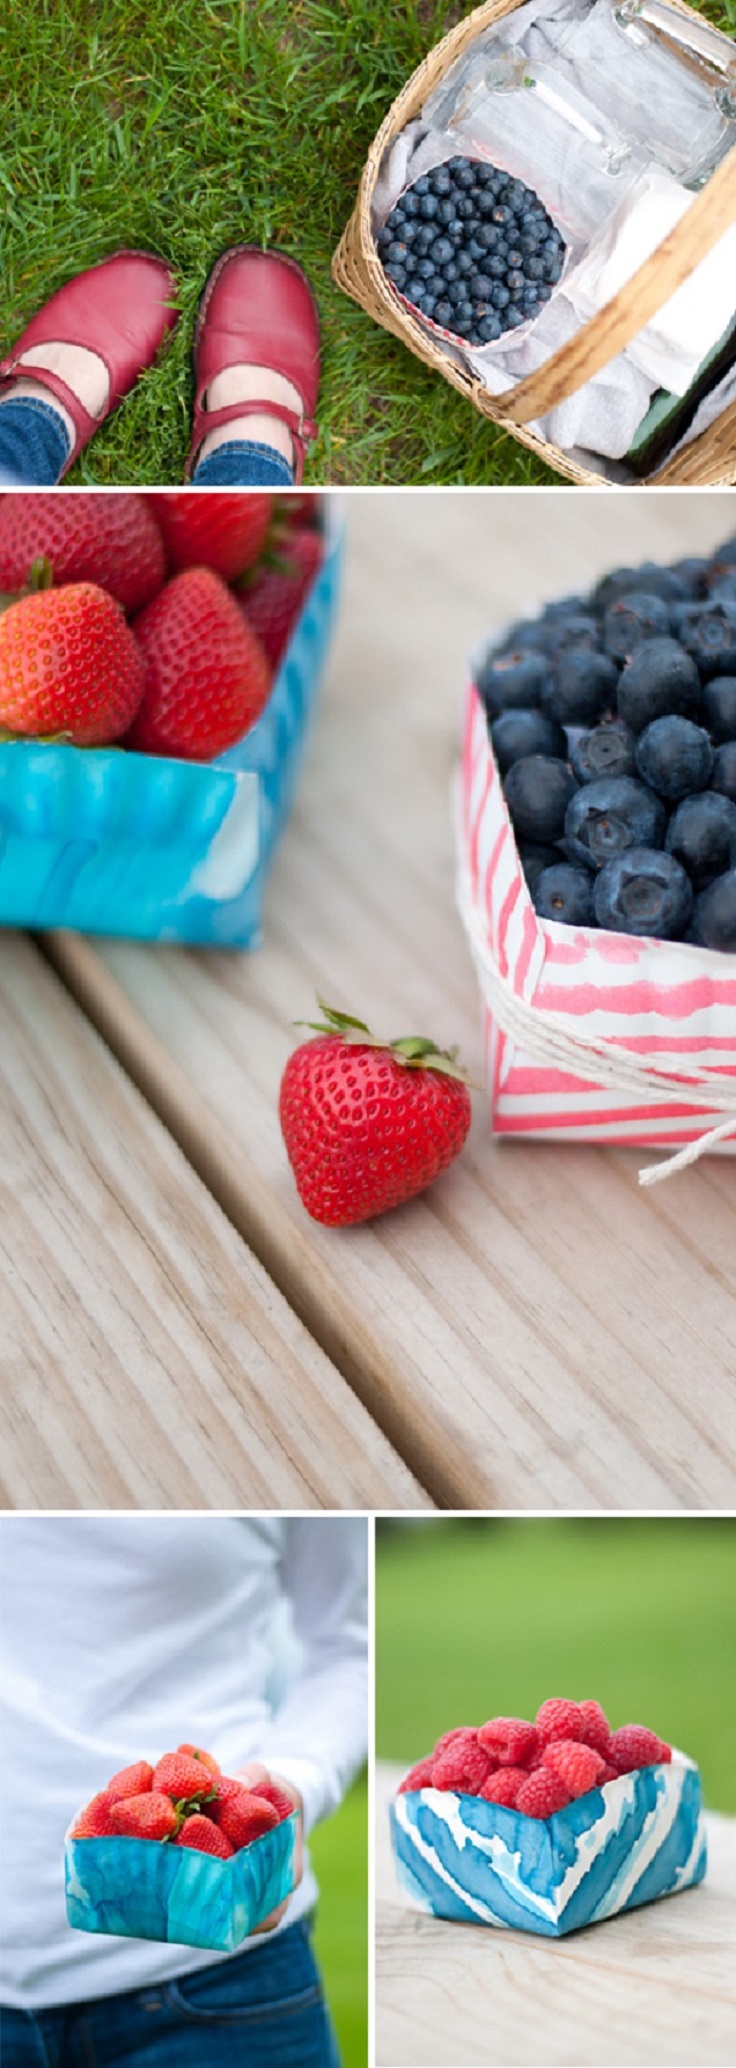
[
  {"x": 477, "y": 1618},
  {"x": 193, "y": 124},
  {"x": 339, "y": 1852}
]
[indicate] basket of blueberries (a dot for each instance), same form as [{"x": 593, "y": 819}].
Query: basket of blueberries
[{"x": 472, "y": 250}]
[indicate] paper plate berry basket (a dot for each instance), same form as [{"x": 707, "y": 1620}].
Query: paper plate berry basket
[{"x": 140, "y": 1890}]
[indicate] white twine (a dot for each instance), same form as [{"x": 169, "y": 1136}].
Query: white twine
[{"x": 549, "y": 1038}]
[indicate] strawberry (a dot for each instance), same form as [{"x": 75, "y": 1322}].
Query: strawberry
[
  {"x": 367, "y": 1124},
  {"x": 298, "y": 507},
  {"x": 206, "y": 677},
  {"x": 131, "y": 1780},
  {"x": 112, "y": 540},
  {"x": 145, "y": 1816},
  {"x": 241, "y": 1814},
  {"x": 96, "y": 1820},
  {"x": 205, "y": 1758},
  {"x": 222, "y": 531},
  {"x": 276, "y": 592},
  {"x": 200, "y": 1833},
  {"x": 269, "y": 1791},
  {"x": 182, "y": 1778},
  {"x": 70, "y": 666}
]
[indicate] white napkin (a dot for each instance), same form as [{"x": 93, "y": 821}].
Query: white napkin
[{"x": 678, "y": 338}]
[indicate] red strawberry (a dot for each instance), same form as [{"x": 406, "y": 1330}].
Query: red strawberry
[
  {"x": 504, "y": 1786},
  {"x": 131, "y": 1780},
  {"x": 241, "y": 1814},
  {"x": 182, "y": 1778},
  {"x": 223, "y": 531},
  {"x": 419, "y": 1776},
  {"x": 269, "y": 1791},
  {"x": 508, "y": 1740},
  {"x": 204, "y": 1837},
  {"x": 368, "y": 1124},
  {"x": 299, "y": 507},
  {"x": 276, "y": 593},
  {"x": 541, "y": 1794},
  {"x": 206, "y": 678},
  {"x": 205, "y": 1758},
  {"x": 144, "y": 1816},
  {"x": 96, "y": 1820},
  {"x": 577, "y": 1765},
  {"x": 112, "y": 540},
  {"x": 633, "y": 1746},
  {"x": 68, "y": 665}
]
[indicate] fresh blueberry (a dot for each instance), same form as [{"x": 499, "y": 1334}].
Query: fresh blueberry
[
  {"x": 709, "y": 634},
  {"x": 538, "y": 792},
  {"x": 691, "y": 574},
  {"x": 658, "y": 679},
  {"x": 465, "y": 176},
  {"x": 428, "y": 207},
  {"x": 411, "y": 204},
  {"x": 609, "y": 750},
  {"x": 719, "y": 707},
  {"x": 512, "y": 681},
  {"x": 463, "y": 317},
  {"x": 518, "y": 733},
  {"x": 566, "y": 893},
  {"x": 441, "y": 251},
  {"x": 583, "y": 686},
  {"x": 632, "y": 620},
  {"x": 444, "y": 314},
  {"x": 514, "y": 317},
  {"x": 466, "y": 208},
  {"x": 489, "y": 330},
  {"x": 515, "y": 282},
  {"x": 702, "y": 835},
  {"x": 502, "y": 216},
  {"x": 500, "y": 297},
  {"x": 569, "y": 629},
  {"x": 723, "y": 778},
  {"x": 535, "y": 857},
  {"x": 674, "y": 757},
  {"x": 608, "y": 816},
  {"x": 441, "y": 182},
  {"x": 714, "y": 917},
  {"x": 643, "y": 892},
  {"x": 482, "y": 287}
]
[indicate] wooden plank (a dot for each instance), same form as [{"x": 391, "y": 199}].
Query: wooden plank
[
  {"x": 146, "y": 1356},
  {"x": 656, "y": 1985},
  {"x": 536, "y": 1330}
]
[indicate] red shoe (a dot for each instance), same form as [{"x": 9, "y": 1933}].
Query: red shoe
[
  {"x": 120, "y": 310},
  {"x": 257, "y": 310}
]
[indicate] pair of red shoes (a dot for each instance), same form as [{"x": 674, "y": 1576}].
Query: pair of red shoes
[{"x": 257, "y": 309}]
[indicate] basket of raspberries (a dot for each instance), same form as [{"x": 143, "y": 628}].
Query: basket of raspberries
[
  {"x": 472, "y": 251},
  {"x": 180, "y": 1851},
  {"x": 160, "y": 656},
  {"x": 550, "y": 1825},
  {"x": 598, "y": 855}
]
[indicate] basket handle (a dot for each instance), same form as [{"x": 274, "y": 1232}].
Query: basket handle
[{"x": 612, "y": 327}]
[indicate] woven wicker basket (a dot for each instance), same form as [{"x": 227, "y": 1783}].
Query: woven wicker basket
[{"x": 710, "y": 460}]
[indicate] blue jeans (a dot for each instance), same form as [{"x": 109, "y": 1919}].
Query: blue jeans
[
  {"x": 34, "y": 447},
  {"x": 263, "y": 2009}
]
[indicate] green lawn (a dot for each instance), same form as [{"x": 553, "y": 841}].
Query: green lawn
[
  {"x": 479, "y": 1618},
  {"x": 340, "y": 1855},
  {"x": 188, "y": 125}
]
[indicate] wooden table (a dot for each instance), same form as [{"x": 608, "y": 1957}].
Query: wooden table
[
  {"x": 535, "y": 1331},
  {"x": 655, "y": 1987}
]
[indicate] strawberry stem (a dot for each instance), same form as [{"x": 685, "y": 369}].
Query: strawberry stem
[{"x": 412, "y": 1051}]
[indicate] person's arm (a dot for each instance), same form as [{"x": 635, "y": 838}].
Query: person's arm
[{"x": 318, "y": 1739}]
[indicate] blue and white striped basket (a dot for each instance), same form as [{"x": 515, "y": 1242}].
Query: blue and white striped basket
[
  {"x": 111, "y": 842},
  {"x": 139, "y": 1889},
  {"x": 638, "y": 1838}
]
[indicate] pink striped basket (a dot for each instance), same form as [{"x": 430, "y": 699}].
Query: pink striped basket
[{"x": 590, "y": 1035}]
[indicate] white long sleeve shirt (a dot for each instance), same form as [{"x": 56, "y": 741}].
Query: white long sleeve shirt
[{"x": 124, "y": 1636}]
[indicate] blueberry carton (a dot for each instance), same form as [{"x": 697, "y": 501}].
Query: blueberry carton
[
  {"x": 150, "y": 848},
  {"x": 138, "y": 1888},
  {"x": 636, "y": 1839}
]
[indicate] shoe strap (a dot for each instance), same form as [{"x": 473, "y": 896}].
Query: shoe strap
[
  {"x": 302, "y": 428},
  {"x": 12, "y": 370}
]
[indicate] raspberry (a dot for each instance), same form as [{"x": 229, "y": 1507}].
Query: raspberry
[
  {"x": 131, "y": 1780},
  {"x": 634, "y": 1746},
  {"x": 610, "y": 1773},
  {"x": 597, "y": 1729},
  {"x": 504, "y": 1786},
  {"x": 419, "y": 1776},
  {"x": 508, "y": 1740},
  {"x": 464, "y": 1731},
  {"x": 95, "y": 1821},
  {"x": 577, "y": 1765},
  {"x": 541, "y": 1794},
  {"x": 204, "y": 1837},
  {"x": 464, "y": 1767},
  {"x": 557, "y": 1719}
]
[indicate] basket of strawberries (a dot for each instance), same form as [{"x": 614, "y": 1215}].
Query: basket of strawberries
[
  {"x": 181, "y": 1852},
  {"x": 160, "y": 657}
]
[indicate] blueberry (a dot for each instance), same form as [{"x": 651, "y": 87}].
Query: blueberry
[
  {"x": 691, "y": 574},
  {"x": 482, "y": 287},
  {"x": 477, "y": 250},
  {"x": 502, "y": 215},
  {"x": 489, "y": 330},
  {"x": 723, "y": 778},
  {"x": 566, "y": 893},
  {"x": 496, "y": 269},
  {"x": 538, "y": 791},
  {"x": 583, "y": 686},
  {"x": 659, "y": 679},
  {"x": 518, "y": 733},
  {"x": 444, "y": 314},
  {"x": 425, "y": 269},
  {"x": 608, "y": 750},
  {"x": 465, "y": 176},
  {"x": 466, "y": 208},
  {"x": 397, "y": 274},
  {"x": 719, "y": 707},
  {"x": 568, "y": 629},
  {"x": 702, "y": 835},
  {"x": 633, "y": 619},
  {"x": 397, "y": 251},
  {"x": 422, "y": 185},
  {"x": 512, "y": 681},
  {"x": 643, "y": 892},
  {"x": 535, "y": 268},
  {"x": 411, "y": 204},
  {"x": 515, "y": 282},
  {"x": 441, "y": 182},
  {"x": 428, "y": 207},
  {"x": 674, "y": 757},
  {"x": 465, "y": 264},
  {"x": 535, "y": 857},
  {"x": 608, "y": 816},
  {"x": 441, "y": 251},
  {"x": 709, "y": 634},
  {"x": 463, "y": 317},
  {"x": 714, "y": 919},
  {"x": 500, "y": 297},
  {"x": 513, "y": 317},
  {"x": 648, "y": 577}
]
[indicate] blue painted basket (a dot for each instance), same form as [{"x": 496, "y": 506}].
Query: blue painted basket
[
  {"x": 139, "y": 1889},
  {"x": 637, "y": 1838},
  {"x": 105, "y": 841}
]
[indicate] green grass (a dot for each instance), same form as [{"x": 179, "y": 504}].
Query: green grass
[
  {"x": 339, "y": 1852},
  {"x": 192, "y": 124},
  {"x": 479, "y": 1618}
]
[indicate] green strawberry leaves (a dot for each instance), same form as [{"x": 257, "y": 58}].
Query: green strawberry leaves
[{"x": 412, "y": 1051}]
